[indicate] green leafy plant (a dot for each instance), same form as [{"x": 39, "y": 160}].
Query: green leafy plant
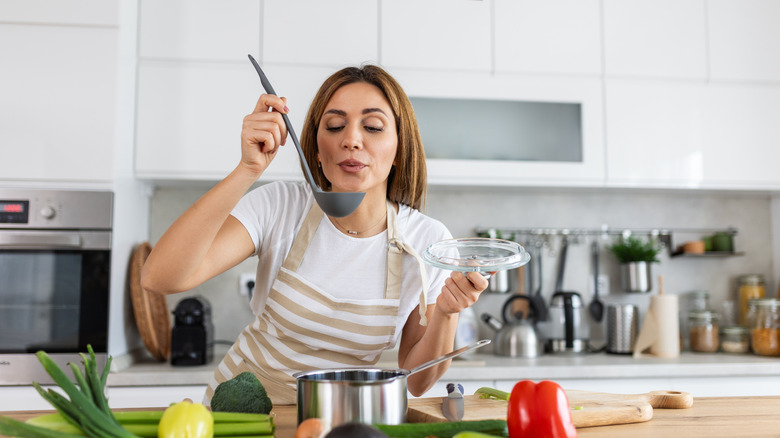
[{"x": 634, "y": 249}]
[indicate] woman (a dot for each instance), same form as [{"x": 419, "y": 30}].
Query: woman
[{"x": 330, "y": 292}]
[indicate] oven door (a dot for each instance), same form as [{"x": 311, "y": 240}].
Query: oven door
[{"x": 54, "y": 291}]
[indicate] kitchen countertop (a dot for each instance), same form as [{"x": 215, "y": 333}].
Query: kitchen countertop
[
  {"x": 489, "y": 367},
  {"x": 708, "y": 418}
]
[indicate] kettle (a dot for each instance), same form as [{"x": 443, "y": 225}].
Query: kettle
[
  {"x": 517, "y": 337},
  {"x": 568, "y": 329}
]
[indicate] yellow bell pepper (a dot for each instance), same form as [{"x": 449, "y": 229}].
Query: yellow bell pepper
[{"x": 186, "y": 420}]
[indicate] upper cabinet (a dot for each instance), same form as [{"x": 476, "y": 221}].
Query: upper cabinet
[
  {"x": 436, "y": 35},
  {"x": 58, "y": 85},
  {"x": 332, "y": 33},
  {"x": 548, "y": 37},
  {"x": 203, "y": 30},
  {"x": 744, "y": 40},
  {"x": 655, "y": 38}
]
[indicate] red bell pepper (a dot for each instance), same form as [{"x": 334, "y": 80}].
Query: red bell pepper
[{"x": 539, "y": 410}]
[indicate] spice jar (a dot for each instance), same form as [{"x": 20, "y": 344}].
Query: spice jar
[
  {"x": 704, "y": 333},
  {"x": 765, "y": 333},
  {"x": 734, "y": 339},
  {"x": 751, "y": 286},
  {"x": 694, "y": 300}
]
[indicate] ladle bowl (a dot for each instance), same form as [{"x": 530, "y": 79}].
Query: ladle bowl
[{"x": 336, "y": 204}]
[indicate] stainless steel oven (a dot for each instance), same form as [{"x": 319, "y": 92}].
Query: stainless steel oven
[{"x": 55, "y": 263}]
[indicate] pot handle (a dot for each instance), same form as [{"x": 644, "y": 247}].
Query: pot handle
[{"x": 450, "y": 355}]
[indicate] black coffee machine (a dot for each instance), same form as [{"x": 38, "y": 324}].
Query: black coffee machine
[{"x": 192, "y": 337}]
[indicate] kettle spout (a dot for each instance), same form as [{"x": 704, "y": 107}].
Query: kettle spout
[{"x": 492, "y": 322}]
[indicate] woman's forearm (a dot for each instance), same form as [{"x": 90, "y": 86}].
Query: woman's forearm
[
  {"x": 188, "y": 253},
  {"x": 437, "y": 340}
]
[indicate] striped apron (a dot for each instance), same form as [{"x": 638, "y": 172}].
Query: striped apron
[{"x": 304, "y": 328}]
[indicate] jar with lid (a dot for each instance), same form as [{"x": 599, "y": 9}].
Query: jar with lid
[
  {"x": 734, "y": 339},
  {"x": 751, "y": 286},
  {"x": 704, "y": 332},
  {"x": 765, "y": 331},
  {"x": 694, "y": 300}
]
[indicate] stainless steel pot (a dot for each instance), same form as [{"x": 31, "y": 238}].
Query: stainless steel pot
[{"x": 365, "y": 395}]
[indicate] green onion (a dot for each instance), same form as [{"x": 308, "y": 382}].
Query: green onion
[{"x": 492, "y": 393}]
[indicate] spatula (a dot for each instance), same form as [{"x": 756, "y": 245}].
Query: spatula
[{"x": 336, "y": 204}]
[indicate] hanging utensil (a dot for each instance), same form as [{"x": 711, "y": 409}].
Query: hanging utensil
[
  {"x": 596, "y": 307},
  {"x": 336, "y": 204},
  {"x": 538, "y": 303}
]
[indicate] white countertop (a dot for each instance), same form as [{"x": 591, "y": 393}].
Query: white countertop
[{"x": 480, "y": 366}]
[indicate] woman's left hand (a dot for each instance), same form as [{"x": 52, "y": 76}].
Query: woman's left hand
[{"x": 460, "y": 292}]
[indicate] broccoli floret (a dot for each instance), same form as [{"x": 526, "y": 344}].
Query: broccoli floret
[{"x": 242, "y": 393}]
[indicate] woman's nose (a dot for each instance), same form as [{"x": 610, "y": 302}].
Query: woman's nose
[{"x": 352, "y": 139}]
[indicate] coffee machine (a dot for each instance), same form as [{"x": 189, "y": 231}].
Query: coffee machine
[
  {"x": 192, "y": 336},
  {"x": 567, "y": 326}
]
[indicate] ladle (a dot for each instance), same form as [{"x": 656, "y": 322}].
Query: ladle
[
  {"x": 336, "y": 204},
  {"x": 596, "y": 306}
]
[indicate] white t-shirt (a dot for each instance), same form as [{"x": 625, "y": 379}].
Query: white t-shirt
[{"x": 342, "y": 265}]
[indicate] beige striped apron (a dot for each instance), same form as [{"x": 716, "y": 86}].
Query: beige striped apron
[{"x": 304, "y": 328}]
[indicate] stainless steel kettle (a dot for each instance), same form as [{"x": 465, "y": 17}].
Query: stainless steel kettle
[{"x": 516, "y": 336}]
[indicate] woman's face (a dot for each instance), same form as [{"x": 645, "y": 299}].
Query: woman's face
[{"x": 357, "y": 139}]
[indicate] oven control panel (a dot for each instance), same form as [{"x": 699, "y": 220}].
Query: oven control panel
[
  {"x": 55, "y": 209},
  {"x": 14, "y": 212}
]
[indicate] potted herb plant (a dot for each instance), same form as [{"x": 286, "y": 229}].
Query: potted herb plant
[{"x": 635, "y": 257}]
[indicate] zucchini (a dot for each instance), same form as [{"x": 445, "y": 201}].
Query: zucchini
[{"x": 444, "y": 430}]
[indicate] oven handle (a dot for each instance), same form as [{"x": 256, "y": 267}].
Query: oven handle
[{"x": 40, "y": 240}]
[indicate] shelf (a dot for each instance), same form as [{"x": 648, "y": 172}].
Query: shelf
[{"x": 709, "y": 254}]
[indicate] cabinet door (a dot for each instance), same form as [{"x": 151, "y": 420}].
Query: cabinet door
[
  {"x": 436, "y": 34},
  {"x": 659, "y": 38},
  {"x": 558, "y": 36},
  {"x": 226, "y": 30},
  {"x": 456, "y": 170},
  {"x": 57, "y": 112},
  {"x": 654, "y": 133},
  {"x": 76, "y": 12},
  {"x": 313, "y": 32},
  {"x": 190, "y": 115},
  {"x": 742, "y": 135},
  {"x": 744, "y": 39}
]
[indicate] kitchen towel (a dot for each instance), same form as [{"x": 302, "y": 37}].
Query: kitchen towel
[{"x": 660, "y": 332}]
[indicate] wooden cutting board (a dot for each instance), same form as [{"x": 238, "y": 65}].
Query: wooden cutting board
[{"x": 597, "y": 408}]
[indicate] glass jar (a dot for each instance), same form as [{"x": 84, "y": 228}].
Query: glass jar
[
  {"x": 765, "y": 331},
  {"x": 734, "y": 339},
  {"x": 751, "y": 286},
  {"x": 694, "y": 300},
  {"x": 704, "y": 332}
]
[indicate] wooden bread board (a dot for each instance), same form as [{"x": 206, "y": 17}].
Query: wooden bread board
[{"x": 597, "y": 408}]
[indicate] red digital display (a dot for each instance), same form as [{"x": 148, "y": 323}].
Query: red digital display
[{"x": 11, "y": 208}]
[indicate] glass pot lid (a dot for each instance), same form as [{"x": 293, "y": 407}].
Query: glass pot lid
[{"x": 478, "y": 254}]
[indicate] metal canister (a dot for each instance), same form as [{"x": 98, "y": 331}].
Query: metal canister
[{"x": 622, "y": 327}]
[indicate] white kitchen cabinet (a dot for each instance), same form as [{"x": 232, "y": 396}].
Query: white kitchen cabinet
[
  {"x": 656, "y": 38},
  {"x": 654, "y": 133},
  {"x": 744, "y": 40},
  {"x": 226, "y": 30},
  {"x": 334, "y": 33},
  {"x": 58, "y": 106},
  {"x": 456, "y": 170},
  {"x": 190, "y": 116},
  {"x": 558, "y": 36},
  {"x": 71, "y": 12},
  {"x": 683, "y": 134},
  {"x": 436, "y": 35}
]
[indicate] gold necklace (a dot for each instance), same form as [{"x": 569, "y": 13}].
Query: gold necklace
[{"x": 354, "y": 232}]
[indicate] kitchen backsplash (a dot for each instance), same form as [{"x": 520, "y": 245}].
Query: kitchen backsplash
[{"x": 463, "y": 209}]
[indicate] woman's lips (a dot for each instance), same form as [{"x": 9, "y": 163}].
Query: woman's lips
[{"x": 352, "y": 166}]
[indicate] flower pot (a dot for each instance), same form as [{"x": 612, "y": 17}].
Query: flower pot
[{"x": 635, "y": 277}]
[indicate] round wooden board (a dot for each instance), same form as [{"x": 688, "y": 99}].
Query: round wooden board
[{"x": 150, "y": 309}]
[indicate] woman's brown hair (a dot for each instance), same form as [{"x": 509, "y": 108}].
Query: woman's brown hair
[{"x": 407, "y": 182}]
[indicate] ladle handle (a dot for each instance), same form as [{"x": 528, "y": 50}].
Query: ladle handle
[
  {"x": 450, "y": 355},
  {"x": 270, "y": 90}
]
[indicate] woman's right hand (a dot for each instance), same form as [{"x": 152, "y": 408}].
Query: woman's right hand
[{"x": 263, "y": 132}]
